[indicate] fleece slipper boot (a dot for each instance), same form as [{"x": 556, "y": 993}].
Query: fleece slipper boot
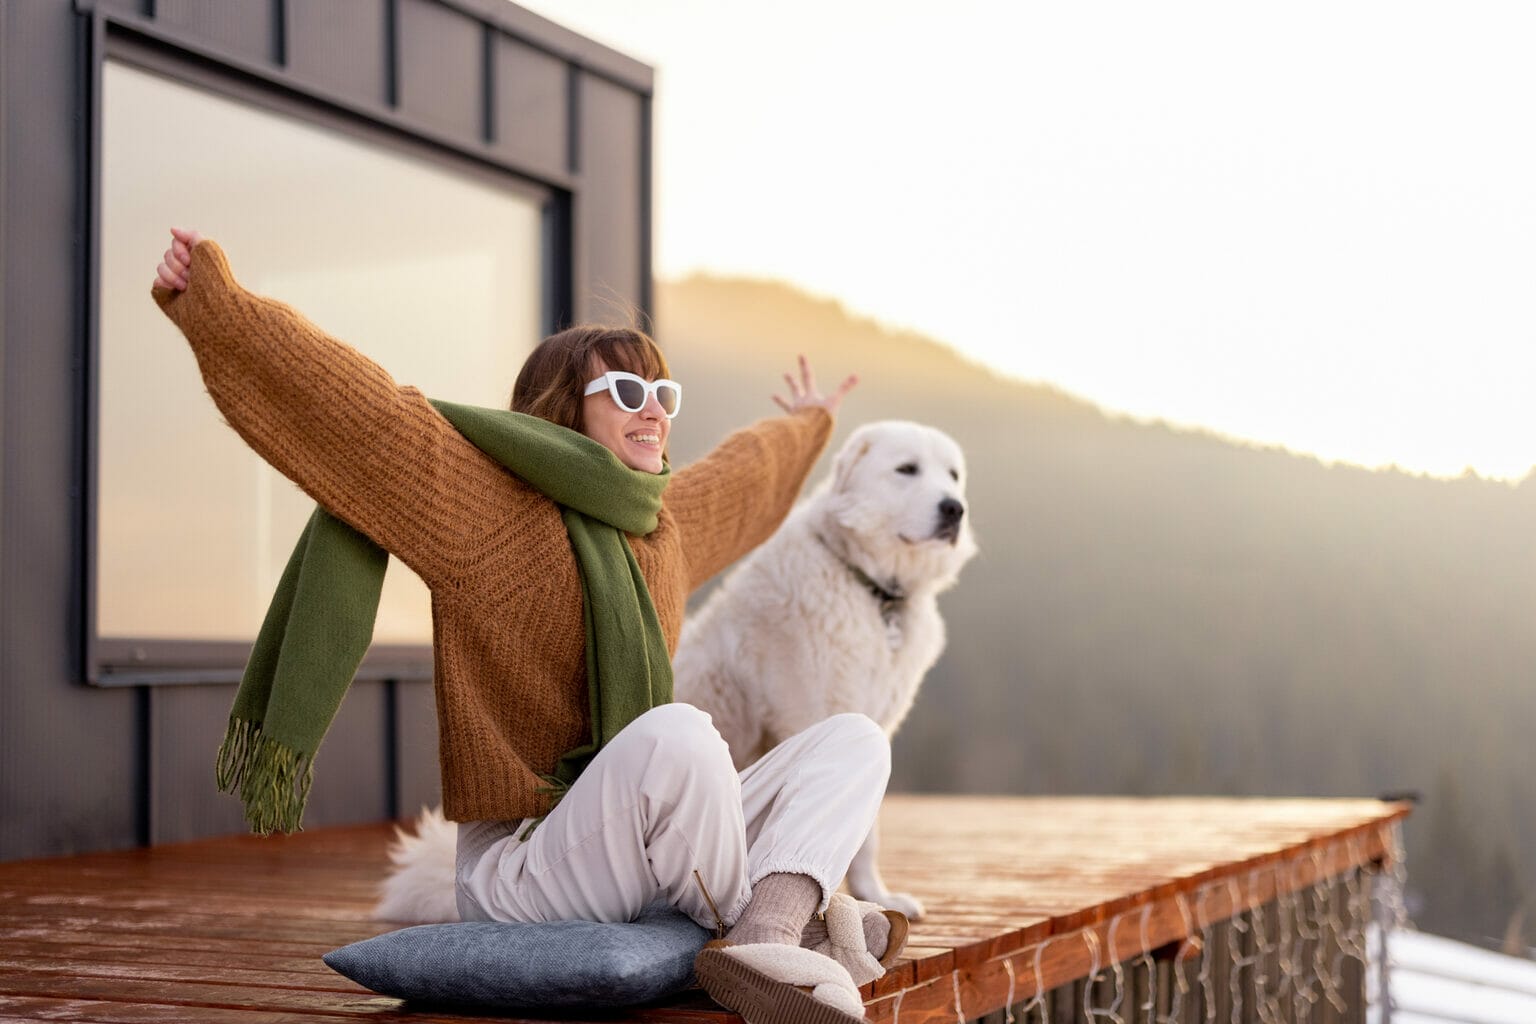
[
  {"x": 899, "y": 928},
  {"x": 845, "y": 939},
  {"x": 775, "y": 983},
  {"x": 844, "y": 934}
]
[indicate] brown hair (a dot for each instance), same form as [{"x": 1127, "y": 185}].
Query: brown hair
[{"x": 552, "y": 379}]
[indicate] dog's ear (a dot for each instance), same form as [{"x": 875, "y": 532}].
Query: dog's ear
[{"x": 842, "y": 469}]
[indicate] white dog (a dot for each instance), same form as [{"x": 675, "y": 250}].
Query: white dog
[{"x": 837, "y": 611}]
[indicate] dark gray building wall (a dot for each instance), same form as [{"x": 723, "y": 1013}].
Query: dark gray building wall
[
  {"x": 484, "y": 83},
  {"x": 70, "y": 756}
]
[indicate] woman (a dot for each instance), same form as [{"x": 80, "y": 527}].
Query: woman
[{"x": 559, "y": 550}]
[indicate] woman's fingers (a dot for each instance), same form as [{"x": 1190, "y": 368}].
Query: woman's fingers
[
  {"x": 803, "y": 392},
  {"x": 177, "y": 266},
  {"x": 165, "y": 277},
  {"x": 807, "y": 378},
  {"x": 173, "y": 269},
  {"x": 835, "y": 400}
]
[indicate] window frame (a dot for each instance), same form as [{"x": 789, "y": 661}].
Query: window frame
[{"x": 138, "y": 661}]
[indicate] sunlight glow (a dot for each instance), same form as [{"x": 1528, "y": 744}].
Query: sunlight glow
[{"x": 1309, "y": 226}]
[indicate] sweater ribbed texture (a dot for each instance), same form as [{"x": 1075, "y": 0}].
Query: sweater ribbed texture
[{"x": 508, "y": 649}]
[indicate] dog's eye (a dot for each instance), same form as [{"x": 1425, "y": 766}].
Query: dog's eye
[
  {"x": 907, "y": 469},
  {"x": 954, "y": 475}
]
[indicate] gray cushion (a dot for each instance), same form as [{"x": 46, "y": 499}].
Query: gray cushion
[{"x": 561, "y": 964}]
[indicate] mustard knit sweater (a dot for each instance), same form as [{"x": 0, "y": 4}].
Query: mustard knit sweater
[{"x": 508, "y": 637}]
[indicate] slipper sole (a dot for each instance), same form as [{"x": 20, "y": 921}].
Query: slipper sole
[
  {"x": 897, "y": 941},
  {"x": 758, "y": 998}
]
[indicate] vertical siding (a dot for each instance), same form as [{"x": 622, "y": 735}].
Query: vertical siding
[
  {"x": 186, "y": 724},
  {"x": 441, "y": 68},
  {"x": 416, "y": 782},
  {"x": 353, "y": 778},
  {"x": 241, "y": 28},
  {"x": 70, "y": 756},
  {"x": 122, "y": 6},
  {"x": 530, "y": 121},
  {"x": 341, "y": 45},
  {"x": 608, "y": 218}
]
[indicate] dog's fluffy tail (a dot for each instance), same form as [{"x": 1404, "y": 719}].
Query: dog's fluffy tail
[{"x": 420, "y": 884}]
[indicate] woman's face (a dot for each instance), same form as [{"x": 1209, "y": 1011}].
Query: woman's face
[{"x": 637, "y": 438}]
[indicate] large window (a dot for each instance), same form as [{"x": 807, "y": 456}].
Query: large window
[{"x": 433, "y": 271}]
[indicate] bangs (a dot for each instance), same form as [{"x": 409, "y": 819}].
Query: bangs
[{"x": 632, "y": 352}]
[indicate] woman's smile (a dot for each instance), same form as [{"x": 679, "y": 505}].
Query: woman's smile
[{"x": 639, "y": 439}]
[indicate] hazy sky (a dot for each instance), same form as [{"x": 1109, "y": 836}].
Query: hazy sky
[{"x": 1311, "y": 224}]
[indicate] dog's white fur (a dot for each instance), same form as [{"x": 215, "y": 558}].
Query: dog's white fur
[{"x": 793, "y": 635}]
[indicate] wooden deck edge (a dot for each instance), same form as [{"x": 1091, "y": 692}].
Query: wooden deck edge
[{"x": 988, "y": 976}]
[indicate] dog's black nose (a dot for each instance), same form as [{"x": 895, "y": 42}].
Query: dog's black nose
[{"x": 950, "y": 511}]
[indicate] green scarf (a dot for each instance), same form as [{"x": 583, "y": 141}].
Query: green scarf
[{"x": 321, "y": 619}]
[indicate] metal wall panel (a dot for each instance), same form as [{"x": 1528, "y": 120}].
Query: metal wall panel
[
  {"x": 243, "y": 28},
  {"x": 70, "y": 756},
  {"x": 417, "y": 783},
  {"x": 608, "y": 219},
  {"x": 556, "y": 39},
  {"x": 186, "y": 725},
  {"x": 530, "y": 106},
  {"x": 442, "y": 68},
  {"x": 341, "y": 45},
  {"x": 354, "y": 780}
]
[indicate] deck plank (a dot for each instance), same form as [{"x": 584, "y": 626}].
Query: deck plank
[{"x": 230, "y": 930}]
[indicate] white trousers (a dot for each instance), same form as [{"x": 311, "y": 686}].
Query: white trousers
[{"x": 661, "y": 813}]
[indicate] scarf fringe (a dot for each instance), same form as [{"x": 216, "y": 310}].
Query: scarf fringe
[{"x": 272, "y": 779}]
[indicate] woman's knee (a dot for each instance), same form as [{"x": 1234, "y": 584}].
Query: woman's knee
[
  {"x": 857, "y": 736},
  {"x": 684, "y": 730},
  {"x": 857, "y": 728}
]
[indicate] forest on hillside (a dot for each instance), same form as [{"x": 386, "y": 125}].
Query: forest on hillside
[{"x": 1165, "y": 611}]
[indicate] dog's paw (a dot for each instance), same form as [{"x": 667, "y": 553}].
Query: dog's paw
[{"x": 902, "y": 901}]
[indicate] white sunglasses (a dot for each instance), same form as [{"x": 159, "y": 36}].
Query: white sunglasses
[{"x": 631, "y": 391}]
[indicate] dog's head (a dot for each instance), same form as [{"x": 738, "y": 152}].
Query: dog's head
[{"x": 897, "y": 498}]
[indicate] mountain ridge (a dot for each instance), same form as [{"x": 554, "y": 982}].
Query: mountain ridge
[{"x": 726, "y": 298}]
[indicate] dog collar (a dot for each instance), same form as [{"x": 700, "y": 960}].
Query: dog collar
[{"x": 891, "y": 597}]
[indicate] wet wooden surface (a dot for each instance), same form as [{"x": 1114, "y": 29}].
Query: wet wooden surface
[{"x": 1022, "y": 894}]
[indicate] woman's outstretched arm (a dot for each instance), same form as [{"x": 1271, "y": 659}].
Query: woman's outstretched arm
[
  {"x": 733, "y": 499},
  {"x": 373, "y": 453}
]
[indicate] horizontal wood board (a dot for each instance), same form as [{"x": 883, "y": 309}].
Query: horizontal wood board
[{"x": 1023, "y": 894}]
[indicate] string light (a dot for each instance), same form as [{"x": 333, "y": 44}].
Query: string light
[
  {"x": 1038, "y": 999},
  {"x": 1092, "y": 939},
  {"x": 1147, "y": 964},
  {"x": 1008, "y": 1006},
  {"x": 1289, "y": 927},
  {"x": 1207, "y": 984}
]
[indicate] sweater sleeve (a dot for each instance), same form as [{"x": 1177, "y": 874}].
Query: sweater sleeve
[
  {"x": 373, "y": 453},
  {"x": 732, "y": 499}
]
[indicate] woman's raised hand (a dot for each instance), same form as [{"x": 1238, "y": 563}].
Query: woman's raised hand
[
  {"x": 803, "y": 393},
  {"x": 172, "y": 272}
]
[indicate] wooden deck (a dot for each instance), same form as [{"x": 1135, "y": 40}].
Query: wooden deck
[{"x": 1023, "y": 895}]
